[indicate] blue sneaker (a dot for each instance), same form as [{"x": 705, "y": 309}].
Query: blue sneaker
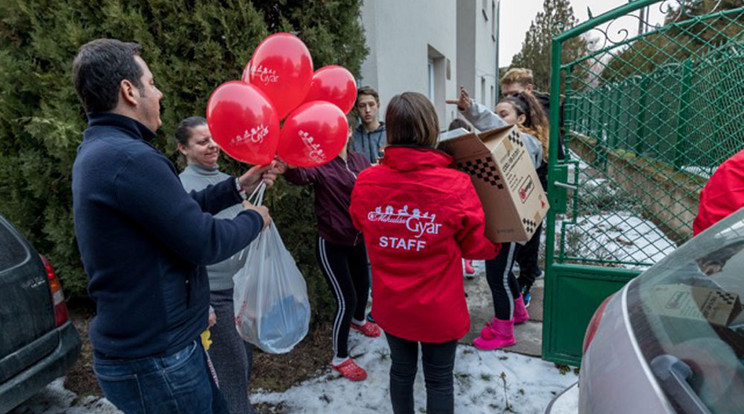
[
  {"x": 526, "y": 297},
  {"x": 369, "y": 318}
]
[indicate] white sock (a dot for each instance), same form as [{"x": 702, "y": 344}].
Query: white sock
[
  {"x": 338, "y": 361},
  {"x": 358, "y": 322}
]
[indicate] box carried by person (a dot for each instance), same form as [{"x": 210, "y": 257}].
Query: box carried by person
[{"x": 504, "y": 178}]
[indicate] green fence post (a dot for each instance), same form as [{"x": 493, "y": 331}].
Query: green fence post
[
  {"x": 681, "y": 142},
  {"x": 641, "y": 129}
]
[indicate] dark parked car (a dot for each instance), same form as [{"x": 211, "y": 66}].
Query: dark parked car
[{"x": 38, "y": 343}]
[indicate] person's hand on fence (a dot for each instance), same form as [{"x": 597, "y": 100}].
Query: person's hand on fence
[
  {"x": 463, "y": 102},
  {"x": 262, "y": 210}
]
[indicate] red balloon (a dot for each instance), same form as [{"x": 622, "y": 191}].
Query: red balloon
[
  {"x": 334, "y": 84},
  {"x": 313, "y": 134},
  {"x": 243, "y": 122},
  {"x": 245, "y": 77},
  {"x": 282, "y": 68}
]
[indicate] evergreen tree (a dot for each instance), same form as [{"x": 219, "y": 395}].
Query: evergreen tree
[
  {"x": 556, "y": 17},
  {"x": 191, "y": 46}
]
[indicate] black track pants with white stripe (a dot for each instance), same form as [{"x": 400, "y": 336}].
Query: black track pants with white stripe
[
  {"x": 345, "y": 269},
  {"x": 501, "y": 280}
]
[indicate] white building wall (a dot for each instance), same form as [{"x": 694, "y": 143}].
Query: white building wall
[
  {"x": 403, "y": 35},
  {"x": 476, "y": 49}
]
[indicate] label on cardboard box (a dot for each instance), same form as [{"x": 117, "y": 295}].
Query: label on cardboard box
[
  {"x": 504, "y": 178},
  {"x": 693, "y": 302}
]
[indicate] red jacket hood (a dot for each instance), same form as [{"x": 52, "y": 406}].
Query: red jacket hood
[{"x": 412, "y": 158}]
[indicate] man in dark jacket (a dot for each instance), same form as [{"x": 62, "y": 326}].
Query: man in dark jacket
[
  {"x": 369, "y": 137},
  {"x": 145, "y": 242}
]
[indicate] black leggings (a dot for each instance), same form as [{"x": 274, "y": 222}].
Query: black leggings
[
  {"x": 438, "y": 360},
  {"x": 501, "y": 280},
  {"x": 527, "y": 259},
  {"x": 345, "y": 269},
  {"x": 527, "y": 255}
]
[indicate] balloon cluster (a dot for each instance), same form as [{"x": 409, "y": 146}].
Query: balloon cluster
[{"x": 278, "y": 82}]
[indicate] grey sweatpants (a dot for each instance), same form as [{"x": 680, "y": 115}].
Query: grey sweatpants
[{"x": 232, "y": 357}]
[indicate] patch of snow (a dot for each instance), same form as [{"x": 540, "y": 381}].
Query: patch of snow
[
  {"x": 619, "y": 236},
  {"x": 56, "y": 399},
  {"x": 485, "y": 382},
  {"x": 704, "y": 172},
  {"x": 567, "y": 402}
]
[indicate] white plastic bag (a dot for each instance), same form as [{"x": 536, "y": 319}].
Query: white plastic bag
[{"x": 272, "y": 310}]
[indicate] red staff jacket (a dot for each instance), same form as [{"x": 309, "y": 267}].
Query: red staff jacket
[
  {"x": 419, "y": 219},
  {"x": 722, "y": 195}
]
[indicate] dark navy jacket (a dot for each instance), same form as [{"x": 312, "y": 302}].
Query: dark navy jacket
[
  {"x": 144, "y": 241},
  {"x": 333, "y": 183}
]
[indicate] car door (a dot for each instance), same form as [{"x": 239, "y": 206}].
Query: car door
[{"x": 26, "y": 311}]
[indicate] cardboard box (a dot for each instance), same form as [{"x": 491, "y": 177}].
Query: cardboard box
[
  {"x": 504, "y": 178},
  {"x": 695, "y": 303}
]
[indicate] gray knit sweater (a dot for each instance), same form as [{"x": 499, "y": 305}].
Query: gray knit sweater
[{"x": 196, "y": 177}]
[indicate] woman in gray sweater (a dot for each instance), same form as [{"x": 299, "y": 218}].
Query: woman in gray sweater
[{"x": 232, "y": 357}]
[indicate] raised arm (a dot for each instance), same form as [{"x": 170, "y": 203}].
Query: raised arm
[{"x": 481, "y": 117}]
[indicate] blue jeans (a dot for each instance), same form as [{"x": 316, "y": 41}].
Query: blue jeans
[{"x": 179, "y": 383}]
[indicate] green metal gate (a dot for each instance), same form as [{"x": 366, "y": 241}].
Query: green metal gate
[{"x": 647, "y": 119}]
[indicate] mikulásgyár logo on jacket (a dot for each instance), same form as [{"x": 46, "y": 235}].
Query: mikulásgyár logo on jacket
[{"x": 415, "y": 222}]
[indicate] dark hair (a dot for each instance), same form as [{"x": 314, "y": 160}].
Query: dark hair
[
  {"x": 459, "y": 123},
  {"x": 98, "y": 70},
  {"x": 526, "y": 104},
  {"x": 411, "y": 119},
  {"x": 536, "y": 123},
  {"x": 183, "y": 130},
  {"x": 368, "y": 90}
]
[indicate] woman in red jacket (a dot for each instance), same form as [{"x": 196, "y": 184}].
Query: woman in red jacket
[{"x": 419, "y": 219}]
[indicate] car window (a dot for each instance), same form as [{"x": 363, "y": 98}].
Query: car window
[
  {"x": 12, "y": 252},
  {"x": 690, "y": 308}
]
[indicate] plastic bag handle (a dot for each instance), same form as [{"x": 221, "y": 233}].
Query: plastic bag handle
[{"x": 257, "y": 196}]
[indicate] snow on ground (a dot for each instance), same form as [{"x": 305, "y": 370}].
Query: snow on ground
[
  {"x": 485, "y": 382},
  {"x": 56, "y": 399},
  {"x": 619, "y": 236},
  {"x": 605, "y": 230},
  {"x": 704, "y": 172},
  {"x": 568, "y": 402}
]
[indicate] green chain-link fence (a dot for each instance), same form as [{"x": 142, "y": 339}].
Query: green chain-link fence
[
  {"x": 655, "y": 115},
  {"x": 647, "y": 118}
]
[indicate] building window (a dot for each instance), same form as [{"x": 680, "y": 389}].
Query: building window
[{"x": 491, "y": 102}]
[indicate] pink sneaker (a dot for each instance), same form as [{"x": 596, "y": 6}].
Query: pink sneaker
[
  {"x": 469, "y": 269},
  {"x": 486, "y": 332},
  {"x": 520, "y": 311},
  {"x": 502, "y": 336}
]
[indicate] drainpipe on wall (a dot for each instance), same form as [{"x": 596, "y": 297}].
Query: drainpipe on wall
[{"x": 497, "y": 90}]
